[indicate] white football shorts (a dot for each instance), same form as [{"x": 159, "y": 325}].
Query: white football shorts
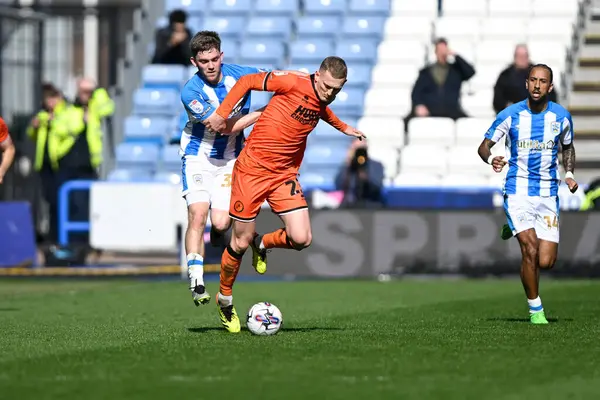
[
  {"x": 207, "y": 180},
  {"x": 539, "y": 213}
]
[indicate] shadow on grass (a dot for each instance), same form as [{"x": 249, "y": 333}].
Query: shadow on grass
[
  {"x": 284, "y": 329},
  {"x": 553, "y": 320},
  {"x": 8, "y": 309}
]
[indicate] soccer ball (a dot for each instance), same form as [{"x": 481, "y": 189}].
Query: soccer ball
[{"x": 264, "y": 319}]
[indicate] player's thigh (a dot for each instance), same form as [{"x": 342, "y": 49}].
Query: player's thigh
[
  {"x": 520, "y": 213},
  {"x": 287, "y": 200},
  {"x": 197, "y": 182},
  {"x": 249, "y": 190},
  {"x": 547, "y": 224},
  {"x": 221, "y": 197}
]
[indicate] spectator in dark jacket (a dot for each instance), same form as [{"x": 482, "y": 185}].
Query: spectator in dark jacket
[
  {"x": 510, "y": 86},
  {"x": 437, "y": 90},
  {"x": 173, "y": 41}
]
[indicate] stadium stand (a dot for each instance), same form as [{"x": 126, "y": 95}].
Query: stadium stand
[{"x": 385, "y": 43}]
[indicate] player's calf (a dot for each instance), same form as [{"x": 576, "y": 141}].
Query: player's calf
[
  {"x": 194, "y": 245},
  {"x": 220, "y": 223}
]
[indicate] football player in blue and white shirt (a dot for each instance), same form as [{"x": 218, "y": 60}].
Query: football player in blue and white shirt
[
  {"x": 533, "y": 128},
  {"x": 207, "y": 156}
]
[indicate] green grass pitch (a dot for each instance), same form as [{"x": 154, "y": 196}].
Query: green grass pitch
[{"x": 127, "y": 339}]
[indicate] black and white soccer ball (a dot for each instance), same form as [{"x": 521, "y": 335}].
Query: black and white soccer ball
[{"x": 264, "y": 319}]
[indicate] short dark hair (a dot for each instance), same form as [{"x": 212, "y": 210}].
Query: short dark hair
[
  {"x": 49, "y": 90},
  {"x": 336, "y": 66},
  {"x": 441, "y": 40},
  {"x": 205, "y": 41},
  {"x": 546, "y": 67},
  {"x": 177, "y": 16}
]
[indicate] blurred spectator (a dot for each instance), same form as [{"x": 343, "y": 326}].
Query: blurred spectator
[
  {"x": 360, "y": 178},
  {"x": 56, "y": 122},
  {"x": 591, "y": 201},
  {"x": 82, "y": 152},
  {"x": 437, "y": 90},
  {"x": 7, "y": 150},
  {"x": 510, "y": 86},
  {"x": 173, "y": 41}
]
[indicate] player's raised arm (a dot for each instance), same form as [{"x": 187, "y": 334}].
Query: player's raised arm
[
  {"x": 568, "y": 153},
  {"x": 7, "y": 148},
  {"x": 499, "y": 128},
  {"x": 240, "y": 123}
]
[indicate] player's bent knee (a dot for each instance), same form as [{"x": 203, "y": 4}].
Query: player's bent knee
[
  {"x": 547, "y": 262},
  {"x": 301, "y": 240},
  {"x": 220, "y": 222}
]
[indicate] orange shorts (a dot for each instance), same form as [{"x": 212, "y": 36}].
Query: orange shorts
[{"x": 251, "y": 185}]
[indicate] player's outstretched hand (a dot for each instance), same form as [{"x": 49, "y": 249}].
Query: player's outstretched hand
[
  {"x": 351, "y": 131},
  {"x": 572, "y": 184},
  {"x": 498, "y": 163},
  {"x": 215, "y": 123}
]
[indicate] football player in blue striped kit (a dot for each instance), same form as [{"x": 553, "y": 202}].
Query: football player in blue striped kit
[
  {"x": 533, "y": 128},
  {"x": 207, "y": 156}
]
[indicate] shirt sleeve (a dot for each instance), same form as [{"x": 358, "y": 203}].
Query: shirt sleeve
[
  {"x": 275, "y": 81},
  {"x": 3, "y": 131},
  {"x": 566, "y": 136},
  {"x": 499, "y": 128},
  {"x": 197, "y": 107},
  {"x": 329, "y": 116}
]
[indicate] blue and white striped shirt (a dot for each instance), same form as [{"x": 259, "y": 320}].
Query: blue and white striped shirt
[
  {"x": 532, "y": 144},
  {"x": 200, "y": 100}
]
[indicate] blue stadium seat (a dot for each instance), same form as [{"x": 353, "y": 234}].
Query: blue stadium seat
[
  {"x": 190, "y": 6},
  {"x": 153, "y": 102},
  {"x": 161, "y": 22},
  {"x": 357, "y": 51},
  {"x": 157, "y": 76},
  {"x": 170, "y": 160},
  {"x": 229, "y": 7},
  {"x": 267, "y": 51},
  {"x": 304, "y": 67},
  {"x": 310, "y": 51},
  {"x": 326, "y": 27},
  {"x": 325, "y": 7},
  {"x": 369, "y": 7},
  {"x": 191, "y": 71},
  {"x": 259, "y": 99},
  {"x": 148, "y": 130},
  {"x": 231, "y": 51},
  {"x": 323, "y": 156},
  {"x": 128, "y": 175},
  {"x": 168, "y": 177},
  {"x": 138, "y": 156},
  {"x": 229, "y": 27},
  {"x": 288, "y": 8},
  {"x": 349, "y": 101},
  {"x": 318, "y": 179},
  {"x": 359, "y": 76},
  {"x": 363, "y": 27},
  {"x": 195, "y": 24},
  {"x": 270, "y": 27}
]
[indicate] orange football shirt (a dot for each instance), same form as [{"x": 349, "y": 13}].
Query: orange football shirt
[
  {"x": 3, "y": 131},
  {"x": 278, "y": 140}
]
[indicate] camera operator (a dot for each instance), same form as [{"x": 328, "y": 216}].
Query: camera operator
[{"x": 360, "y": 178}]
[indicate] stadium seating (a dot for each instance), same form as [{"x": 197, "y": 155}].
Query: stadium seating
[{"x": 385, "y": 43}]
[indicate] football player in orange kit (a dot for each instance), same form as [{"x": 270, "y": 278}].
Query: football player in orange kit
[
  {"x": 267, "y": 167},
  {"x": 7, "y": 148}
]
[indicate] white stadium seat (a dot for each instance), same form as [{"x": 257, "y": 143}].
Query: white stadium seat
[
  {"x": 431, "y": 131},
  {"x": 424, "y": 159},
  {"x": 418, "y": 29},
  {"x": 404, "y": 51},
  {"x": 463, "y": 47},
  {"x": 458, "y": 28},
  {"x": 557, "y": 30},
  {"x": 422, "y": 8},
  {"x": 387, "y": 102},
  {"x": 509, "y": 8},
  {"x": 486, "y": 76},
  {"x": 505, "y": 28},
  {"x": 465, "y": 160},
  {"x": 387, "y": 156},
  {"x": 388, "y": 76},
  {"x": 496, "y": 51},
  {"x": 470, "y": 131},
  {"x": 409, "y": 179},
  {"x": 479, "y": 104},
  {"x": 383, "y": 131},
  {"x": 558, "y": 8},
  {"x": 465, "y": 8}
]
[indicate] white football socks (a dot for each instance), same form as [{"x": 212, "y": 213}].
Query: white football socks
[
  {"x": 225, "y": 301},
  {"x": 535, "y": 305},
  {"x": 195, "y": 263}
]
